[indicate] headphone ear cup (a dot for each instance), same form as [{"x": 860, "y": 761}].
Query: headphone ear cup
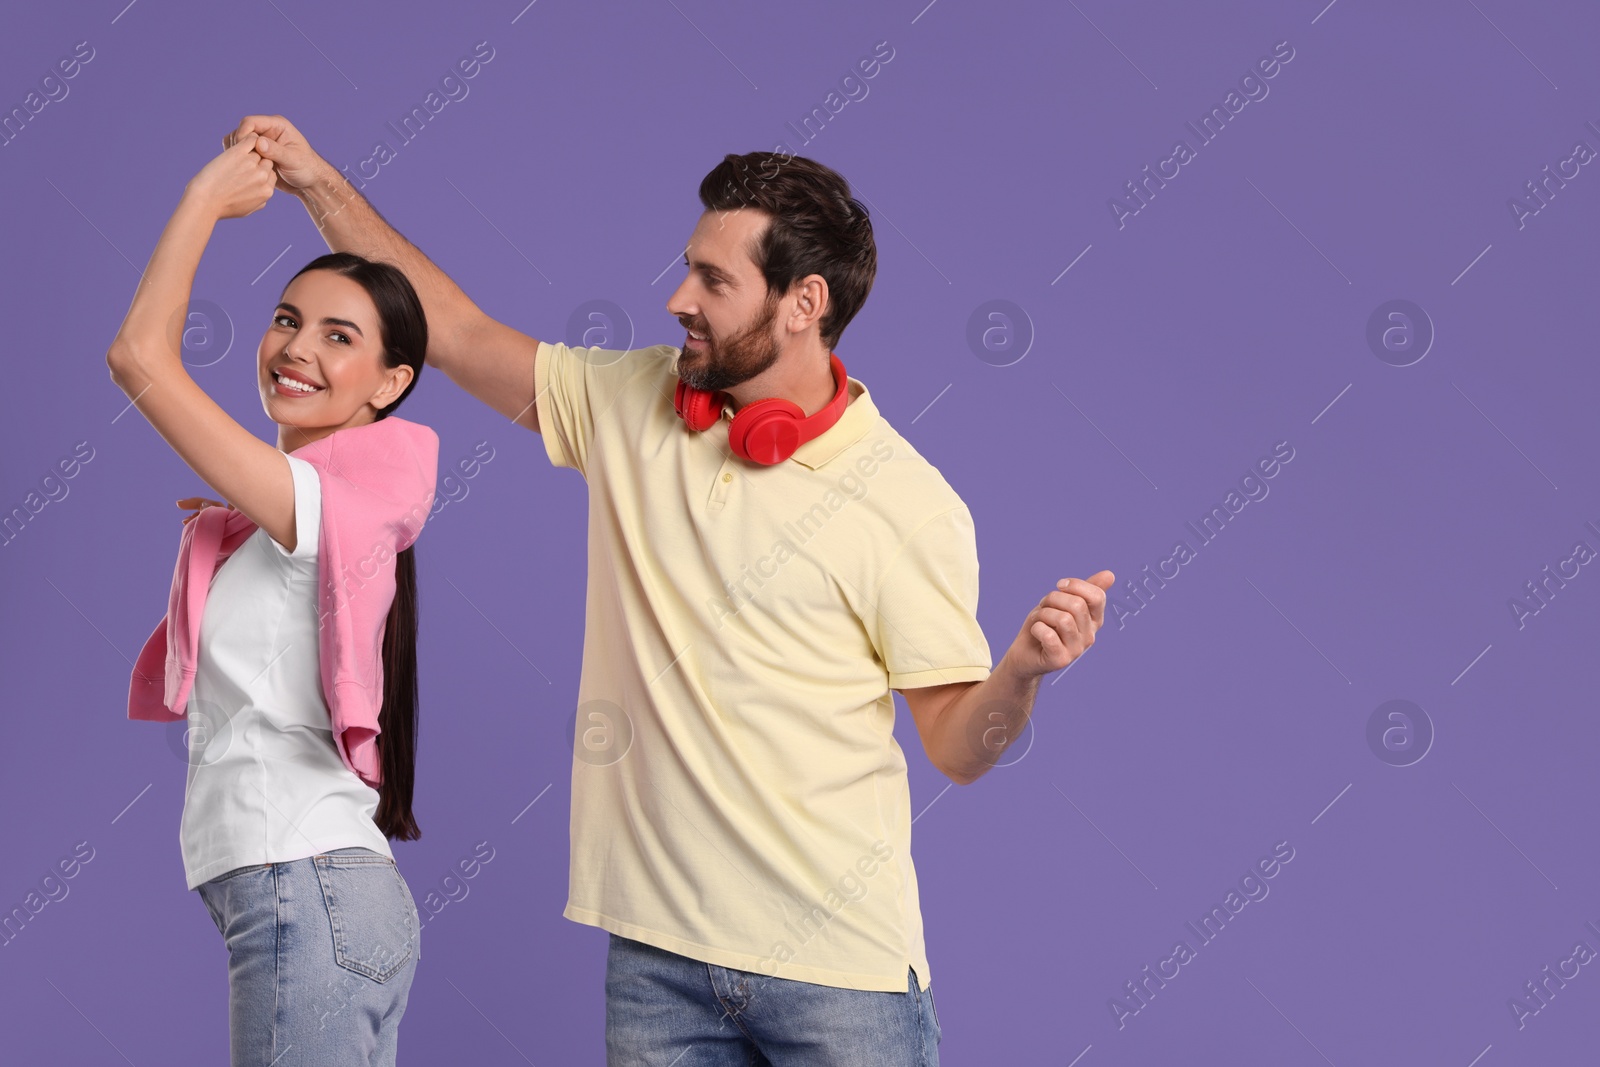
[
  {"x": 766, "y": 431},
  {"x": 699, "y": 408}
]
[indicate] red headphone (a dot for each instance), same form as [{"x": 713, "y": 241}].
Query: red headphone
[{"x": 764, "y": 431}]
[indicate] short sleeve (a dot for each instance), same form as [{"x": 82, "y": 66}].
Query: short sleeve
[
  {"x": 924, "y": 621},
  {"x": 576, "y": 389},
  {"x": 307, "y": 512}
]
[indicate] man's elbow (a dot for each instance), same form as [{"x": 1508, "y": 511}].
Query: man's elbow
[{"x": 962, "y": 775}]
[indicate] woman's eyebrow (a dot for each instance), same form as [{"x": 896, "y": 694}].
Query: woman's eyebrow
[{"x": 291, "y": 309}]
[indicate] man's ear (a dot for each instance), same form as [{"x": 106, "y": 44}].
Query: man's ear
[{"x": 811, "y": 302}]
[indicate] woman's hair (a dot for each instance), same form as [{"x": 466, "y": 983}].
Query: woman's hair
[
  {"x": 817, "y": 228},
  {"x": 404, "y": 331}
]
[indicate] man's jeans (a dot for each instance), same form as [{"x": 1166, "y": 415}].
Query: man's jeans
[
  {"x": 321, "y": 953},
  {"x": 662, "y": 1008}
]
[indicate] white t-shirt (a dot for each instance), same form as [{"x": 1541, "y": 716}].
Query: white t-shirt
[{"x": 265, "y": 782}]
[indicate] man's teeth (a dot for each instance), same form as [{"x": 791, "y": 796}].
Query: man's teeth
[
  {"x": 291, "y": 383},
  {"x": 697, "y": 336}
]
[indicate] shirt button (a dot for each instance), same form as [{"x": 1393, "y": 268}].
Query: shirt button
[{"x": 727, "y": 476}]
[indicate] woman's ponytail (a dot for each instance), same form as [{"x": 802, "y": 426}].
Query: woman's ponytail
[
  {"x": 405, "y": 342},
  {"x": 397, "y": 721}
]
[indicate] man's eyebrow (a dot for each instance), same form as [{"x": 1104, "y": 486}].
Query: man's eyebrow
[
  {"x": 327, "y": 321},
  {"x": 707, "y": 268}
]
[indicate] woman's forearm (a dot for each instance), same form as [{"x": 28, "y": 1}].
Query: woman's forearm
[
  {"x": 152, "y": 331},
  {"x": 146, "y": 356}
]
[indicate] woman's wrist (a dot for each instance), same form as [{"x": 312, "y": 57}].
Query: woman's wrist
[{"x": 196, "y": 205}]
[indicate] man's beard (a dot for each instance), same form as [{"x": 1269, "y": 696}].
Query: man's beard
[{"x": 736, "y": 360}]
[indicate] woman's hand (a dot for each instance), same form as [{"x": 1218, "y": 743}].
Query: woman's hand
[
  {"x": 275, "y": 137},
  {"x": 235, "y": 183}
]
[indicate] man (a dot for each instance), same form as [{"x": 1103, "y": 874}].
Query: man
[{"x": 740, "y": 812}]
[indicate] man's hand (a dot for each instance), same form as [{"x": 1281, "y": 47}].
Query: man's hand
[
  {"x": 298, "y": 167},
  {"x": 965, "y": 726},
  {"x": 200, "y": 503},
  {"x": 1063, "y": 626}
]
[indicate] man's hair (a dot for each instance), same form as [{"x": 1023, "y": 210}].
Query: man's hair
[{"x": 817, "y": 227}]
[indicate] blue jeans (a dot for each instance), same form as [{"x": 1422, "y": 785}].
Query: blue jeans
[
  {"x": 321, "y": 953},
  {"x": 662, "y": 1008}
]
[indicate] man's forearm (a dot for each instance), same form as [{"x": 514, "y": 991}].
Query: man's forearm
[
  {"x": 982, "y": 722},
  {"x": 349, "y": 223}
]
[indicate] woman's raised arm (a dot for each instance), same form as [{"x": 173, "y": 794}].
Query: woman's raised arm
[{"x": 146, "y": 356}]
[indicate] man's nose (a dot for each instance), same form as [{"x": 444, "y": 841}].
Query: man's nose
[{"x": 677, "y": 305}]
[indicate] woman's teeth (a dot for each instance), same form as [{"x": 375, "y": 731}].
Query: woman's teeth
[{"x": 300, "y": 387}]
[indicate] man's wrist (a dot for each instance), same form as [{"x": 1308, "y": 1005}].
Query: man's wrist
[
  {"x": 328, "y": 193},
  {"x": 1016, "y": 676}
]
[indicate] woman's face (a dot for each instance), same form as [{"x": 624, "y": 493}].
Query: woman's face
[{"x": 320, "y": 365}]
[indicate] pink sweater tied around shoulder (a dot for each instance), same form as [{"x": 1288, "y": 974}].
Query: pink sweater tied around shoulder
[{"x": 378, "y": 483}]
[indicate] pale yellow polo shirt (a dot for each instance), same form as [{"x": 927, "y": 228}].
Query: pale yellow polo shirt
[{"x": 738, "y": 795}]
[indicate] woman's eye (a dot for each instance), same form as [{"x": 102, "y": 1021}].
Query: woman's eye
[
  {"x": 343, "y": 339},
  {"x": 283, "y": 320}
]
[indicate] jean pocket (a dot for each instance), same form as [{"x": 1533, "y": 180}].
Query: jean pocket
[
  {"x": 371, "y": 911},
  {"x": 933, "y": 1009},
  {"x": 237, "y": 871}
]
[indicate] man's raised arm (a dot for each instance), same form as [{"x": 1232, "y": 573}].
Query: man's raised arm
[{"x": 487, "y": 358}]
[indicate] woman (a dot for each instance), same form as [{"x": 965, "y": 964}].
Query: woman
[{"x": 289, "y": 642}]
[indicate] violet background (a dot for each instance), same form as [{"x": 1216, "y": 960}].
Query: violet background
[{"x": 1229, "y": 714}]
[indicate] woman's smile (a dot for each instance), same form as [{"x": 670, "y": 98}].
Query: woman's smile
[{"x": 286, "y": 382}]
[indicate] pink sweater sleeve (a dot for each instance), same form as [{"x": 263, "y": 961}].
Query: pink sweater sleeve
[{"x": 377, "y": 491}]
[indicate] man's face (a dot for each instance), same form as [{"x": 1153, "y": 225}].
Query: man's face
[{"x": 724, "y": 299}]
